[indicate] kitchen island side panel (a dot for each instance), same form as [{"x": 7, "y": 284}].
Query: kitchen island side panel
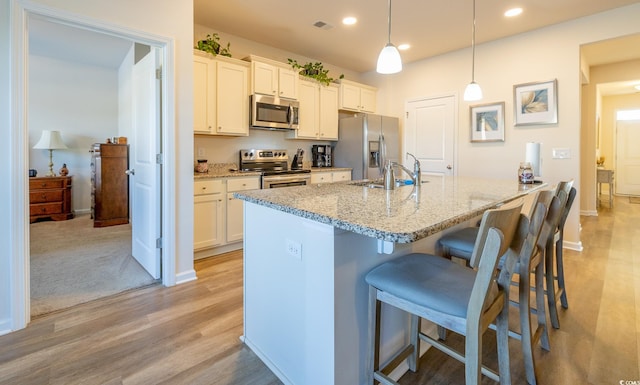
[
  {"x": 307, "y": 318},
  {"x": 289, "y": 316}
]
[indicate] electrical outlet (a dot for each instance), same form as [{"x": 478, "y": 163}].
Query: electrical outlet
[
  {"x": 201, "y": 151},
  {"x": 294, "y": 249},
  {"x": 561, "y": 153}
]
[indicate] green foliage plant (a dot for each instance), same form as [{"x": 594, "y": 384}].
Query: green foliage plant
[
  {"x": 313, "y": 70},
  {"x": 212, "y": 45}
]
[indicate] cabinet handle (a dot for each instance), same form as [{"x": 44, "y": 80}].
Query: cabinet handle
[{"x": 44, "y": 196}]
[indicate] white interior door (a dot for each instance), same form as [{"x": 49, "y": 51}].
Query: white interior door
[
  {"x": 627, "y": 177},
  {"x": 430, "y": 133},
  {"x": 145, "y": 172}
]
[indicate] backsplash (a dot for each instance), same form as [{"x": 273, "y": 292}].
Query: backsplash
[{"x": 225, "y": 150}]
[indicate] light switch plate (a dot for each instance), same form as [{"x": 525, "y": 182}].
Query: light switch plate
[
  {"x": 201, "y": 151},
  {"x": 561, "y": 153}
]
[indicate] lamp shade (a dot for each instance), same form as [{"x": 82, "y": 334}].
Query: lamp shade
[
  {"x": 389, "y": 61},
  {"x": 473, "y": 92},
  {"x": 50, "y": 140}
]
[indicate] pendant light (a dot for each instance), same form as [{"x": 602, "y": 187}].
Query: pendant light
[
  {"x": 473, "y": 91},
  {"x": 389, "y": 61}
]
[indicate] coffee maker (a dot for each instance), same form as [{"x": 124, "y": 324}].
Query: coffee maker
[{"x": 321, "y": 155}]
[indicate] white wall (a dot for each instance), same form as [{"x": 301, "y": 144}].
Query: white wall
[
  {"x": 81, "y": 101},
  {"x": 7, "y": 173},
  {"x": 541, "y": 55},
  {"x": 154, "y": 18}
]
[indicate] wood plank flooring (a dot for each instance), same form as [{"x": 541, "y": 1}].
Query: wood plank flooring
[{"x": 189, "y": 334}]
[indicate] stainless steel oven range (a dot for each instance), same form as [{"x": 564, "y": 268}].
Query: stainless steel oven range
[{"x": 274, "y": 165}]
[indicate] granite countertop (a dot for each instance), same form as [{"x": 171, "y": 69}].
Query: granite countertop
[{"x": 403, "y": 215}]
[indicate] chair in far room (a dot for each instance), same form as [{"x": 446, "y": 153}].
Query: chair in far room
[{"x": 453, "y": 296}]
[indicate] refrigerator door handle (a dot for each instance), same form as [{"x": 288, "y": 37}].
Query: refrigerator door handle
[{"x": 382, "y": 147}]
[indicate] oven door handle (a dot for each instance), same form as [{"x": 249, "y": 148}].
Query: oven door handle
[{"x": 286, "y": 178}]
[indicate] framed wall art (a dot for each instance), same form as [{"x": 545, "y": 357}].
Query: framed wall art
[
  {"x": 487, "y": 122},
  {"x": 535, "y": 103}
]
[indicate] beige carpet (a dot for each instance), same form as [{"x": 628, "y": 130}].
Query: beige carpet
[{"x": 72, "y": 262}]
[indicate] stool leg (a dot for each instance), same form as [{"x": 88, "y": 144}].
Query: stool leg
[
  {"x": 560, "y": 272},
  {"x": 551, "y": 286},
  {"x": 414, "y": 358},
  {"x": 502, "y": 336},
  {"x": 540, "y": 308},
  {"x": 524, "y": 305},
  {"x": 373, "y": 355}
]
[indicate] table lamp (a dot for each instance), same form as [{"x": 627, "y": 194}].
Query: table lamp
[{"x": 50, "y": 140}]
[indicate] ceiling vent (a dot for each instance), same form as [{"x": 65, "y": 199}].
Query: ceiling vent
[{"x": 322, "y": 25}]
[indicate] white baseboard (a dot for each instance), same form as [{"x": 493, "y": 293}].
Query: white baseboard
[
  {"x": 576, "y": 246},
  {"x": 5, "y": 326},
  {"x": 186, "y": 276},
  {"x": 589, "y": 213}
]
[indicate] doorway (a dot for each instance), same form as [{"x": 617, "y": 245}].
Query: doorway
[
  {"x": 142, "y": 120},
  {"x": 430, "y": 133},
  {"x": 627, "y": 158}
]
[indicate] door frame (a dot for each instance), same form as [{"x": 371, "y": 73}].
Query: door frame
[{"x": 19, "y": 284}]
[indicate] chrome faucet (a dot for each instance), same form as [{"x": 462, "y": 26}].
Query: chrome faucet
[{"x": 417, "y": 174}]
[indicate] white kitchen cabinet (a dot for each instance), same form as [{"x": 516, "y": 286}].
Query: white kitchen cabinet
[
  {"x": 234, "y": 225},
  {"x": 318, "y": 117},
  {"x": 208, "y": 213},
  {"x": 232, "y": 101},
  {"x": 318, "y": 177},
  {"x": 357, "y": 97},
  {"x": 204, "y": 95},
  {"x": 329, "y": 112},
  {"x": 341, "y": 176},
  {"x": 273, "y": 78},
  {"x": 221, "y": 96}
]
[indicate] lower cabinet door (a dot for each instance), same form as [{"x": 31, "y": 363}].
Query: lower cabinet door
[
  {"x": 207, "y": 221},
  {"x": 235, "y": 218}
]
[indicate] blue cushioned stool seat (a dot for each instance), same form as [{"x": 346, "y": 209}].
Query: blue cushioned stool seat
[
  {"x": 459, "y": 243},
  {"x": 426, "y": 280}
]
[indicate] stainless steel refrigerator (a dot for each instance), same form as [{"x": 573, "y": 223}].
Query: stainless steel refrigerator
[{"x": 365, "y": 143}]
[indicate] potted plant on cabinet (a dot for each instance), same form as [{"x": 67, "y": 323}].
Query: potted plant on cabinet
[
  {"x": 313, "y": 70},
  {"x": 212, "y": 45}
]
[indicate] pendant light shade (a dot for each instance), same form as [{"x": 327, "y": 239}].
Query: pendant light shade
[
  {"x": 389, "y": 61},
  {"x": 473, "y": 91}
]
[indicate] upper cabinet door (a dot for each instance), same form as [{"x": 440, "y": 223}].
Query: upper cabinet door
[
  {"x": 273, "y": 78},
  {"x": 357, "y": 97},
  {"x": 233, "y": 99},
  {"x": 204, "y": 95},
  {"x": 265, "y": 78},
  {"x": 287, "y": 83},
  {"x": 367, "y": 99},
  {"x": 328, "y": 112}
]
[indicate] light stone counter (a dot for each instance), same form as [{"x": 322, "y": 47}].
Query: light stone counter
[
  {"x": 307, "y": 251},
  {"x": 402, "y": 215}
]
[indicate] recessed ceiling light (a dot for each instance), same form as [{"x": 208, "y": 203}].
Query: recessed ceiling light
[
  {"x": 349, "y": 20},
  {"x": 404, "y": 47},
  {"x": 513, "y": 12},
  {"x": 637, "y": 87}
]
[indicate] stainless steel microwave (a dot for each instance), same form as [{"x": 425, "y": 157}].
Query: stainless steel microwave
[{"x": 273, "y": 113}]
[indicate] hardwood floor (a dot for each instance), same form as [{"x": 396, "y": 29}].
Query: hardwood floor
[{"x": 188, "y": 334}]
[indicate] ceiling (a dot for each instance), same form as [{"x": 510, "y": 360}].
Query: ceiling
[
  {"x": 288, "y": 25},
  {"x": 431, "y": 27}
]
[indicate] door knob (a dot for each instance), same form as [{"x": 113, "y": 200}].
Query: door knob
[
  {"x": 130, "y": 172},
  {"x": 449, "y": 167}
]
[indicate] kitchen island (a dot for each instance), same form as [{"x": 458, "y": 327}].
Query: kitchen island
[{"x": 307, "y": 250}]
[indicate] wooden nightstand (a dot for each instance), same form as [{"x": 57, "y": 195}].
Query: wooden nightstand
[{"x": 50, "y": 197}]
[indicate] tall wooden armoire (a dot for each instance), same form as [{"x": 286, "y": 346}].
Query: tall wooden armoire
[{"x": 109, "y": 184}]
